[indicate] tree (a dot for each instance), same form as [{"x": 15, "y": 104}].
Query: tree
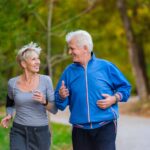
[
  {"x": 52, "y": 60},
  {"x": 26, "y": 21},
  {"x": 136, "y": 54}
]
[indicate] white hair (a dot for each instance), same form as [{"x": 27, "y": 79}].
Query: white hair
[
  {"x": 82, "y": 38},
  {"x": 27, "y": 51}
]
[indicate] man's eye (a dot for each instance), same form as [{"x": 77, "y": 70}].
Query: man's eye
[{"x": 33, "y": 58}]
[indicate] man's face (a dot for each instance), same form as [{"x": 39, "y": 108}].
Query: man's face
[{"x": 76, "y": 52}]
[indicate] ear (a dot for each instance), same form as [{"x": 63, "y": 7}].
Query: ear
[
  {"x": 85, "y": 48},
  {"x": 23, "y": 64}
]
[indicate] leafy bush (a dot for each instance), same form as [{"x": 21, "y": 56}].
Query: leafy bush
[{"x": 3, "y": 89}]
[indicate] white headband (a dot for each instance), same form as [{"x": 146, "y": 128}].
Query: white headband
[{"x": 31, "y": 45}]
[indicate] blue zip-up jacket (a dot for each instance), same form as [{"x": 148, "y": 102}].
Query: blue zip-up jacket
[{"x": 86, "y": 86}]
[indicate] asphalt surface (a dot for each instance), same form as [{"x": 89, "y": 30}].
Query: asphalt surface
[{"x": 133, "y": 132}]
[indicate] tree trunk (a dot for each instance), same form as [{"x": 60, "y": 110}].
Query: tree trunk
[
  {"x": 136, "y": 54},
  {"x": 49, "y": 26}
]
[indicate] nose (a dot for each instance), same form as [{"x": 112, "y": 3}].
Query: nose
[{"x": 38, "y": 61}]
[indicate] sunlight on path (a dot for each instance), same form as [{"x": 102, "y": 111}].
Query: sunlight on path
[
  {"x": 133, "y": 132},
  {"x": 61, "y": 117}
]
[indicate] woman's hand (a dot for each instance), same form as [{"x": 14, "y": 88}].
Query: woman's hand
[
  {"x": 38, "y": 96},
  {"x": 5, "y": 121}
]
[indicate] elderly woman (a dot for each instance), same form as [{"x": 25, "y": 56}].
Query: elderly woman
[{"x": 31, "y": 94}]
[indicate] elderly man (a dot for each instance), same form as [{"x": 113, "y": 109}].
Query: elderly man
[{"x": 92, "y": 88}]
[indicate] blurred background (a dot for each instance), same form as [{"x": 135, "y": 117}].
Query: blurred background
[{"x": 120, "y": 31}]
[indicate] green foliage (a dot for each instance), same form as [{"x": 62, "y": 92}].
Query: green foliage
[
  {"x": 3, "y": 86},
  {"x": 25, "y": 21},
  {"x": 4, "y": 137},
  {"x": 61, "y": 137}
]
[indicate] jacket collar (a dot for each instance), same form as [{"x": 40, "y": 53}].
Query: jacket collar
[{"x": 93, "y": 57}]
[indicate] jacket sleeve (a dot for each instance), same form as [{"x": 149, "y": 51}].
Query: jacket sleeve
[
  {"x": 119, "y": 83},
  {"x": 61, "y": 103}
]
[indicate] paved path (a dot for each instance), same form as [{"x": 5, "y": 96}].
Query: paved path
[{"x": 133, "y": 132}]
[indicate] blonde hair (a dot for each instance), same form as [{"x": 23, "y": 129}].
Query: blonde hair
[{"x": 27, "y": 51}]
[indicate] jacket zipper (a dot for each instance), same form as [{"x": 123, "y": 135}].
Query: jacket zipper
[{"x": 87, "y": 98}]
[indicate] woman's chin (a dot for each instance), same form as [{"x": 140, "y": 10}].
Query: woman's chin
[{"x": 35, "y": 71}]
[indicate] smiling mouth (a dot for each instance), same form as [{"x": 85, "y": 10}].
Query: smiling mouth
[{"x": 37, "y": 67}]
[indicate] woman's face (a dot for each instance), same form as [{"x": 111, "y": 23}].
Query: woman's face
[{"x": 32, "y": 63}]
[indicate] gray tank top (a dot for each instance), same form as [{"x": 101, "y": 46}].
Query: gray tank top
[{"x": 28, "y": 111}]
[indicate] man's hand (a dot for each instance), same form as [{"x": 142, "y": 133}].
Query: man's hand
[
  {"x": 63, "y": 91},
  {"x": 107, "y": 101}
]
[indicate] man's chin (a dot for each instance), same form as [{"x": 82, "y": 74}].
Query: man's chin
[{"x": 75, "y": 61}]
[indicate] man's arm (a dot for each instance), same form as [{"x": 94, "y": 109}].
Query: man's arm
[{"x": 120, "y": 84}]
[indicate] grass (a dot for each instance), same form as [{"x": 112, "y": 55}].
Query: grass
[
  {"x": 4, "y": 139},
  {"x": 61, "y": 137}
]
